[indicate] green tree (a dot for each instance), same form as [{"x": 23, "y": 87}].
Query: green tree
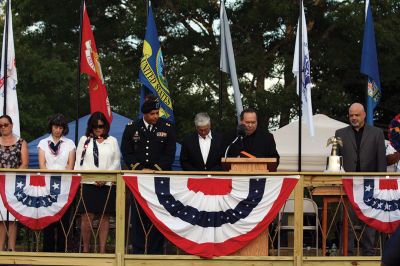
[{"x": 263, "y": 33}]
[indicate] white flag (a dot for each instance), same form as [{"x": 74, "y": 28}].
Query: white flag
[
  {"x": 227, "y": 60},
  {"x": 366, "y": 8},
  {"x": 306, "y": 107},
  {"x": 12, "y": 100}
]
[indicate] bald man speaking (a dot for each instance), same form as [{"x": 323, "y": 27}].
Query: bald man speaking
[{"x": 363, "y": 151}]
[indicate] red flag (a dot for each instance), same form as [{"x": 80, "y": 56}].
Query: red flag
[{"x": 90, "y": 65}]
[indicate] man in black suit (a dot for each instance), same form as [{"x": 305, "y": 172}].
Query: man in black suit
[
  {"x": 363, "y": 151},
  {"x": 363, "y": 145},
  {"x": 202, "y": 150},
  {"x": 257, "y": 142}
]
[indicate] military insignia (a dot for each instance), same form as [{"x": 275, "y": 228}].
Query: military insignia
[
  {"x": 136, "y": 135},
  {"x": 130, "y": 123},
  {"x": 168, "y": 124},
  {"x": 162, "y": 134}
]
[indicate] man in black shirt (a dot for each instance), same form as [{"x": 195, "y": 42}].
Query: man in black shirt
[
  {"x": 257, "y": 142},
  {"x": 363, "y": 145},
  {"x": 363, "y": 151}
]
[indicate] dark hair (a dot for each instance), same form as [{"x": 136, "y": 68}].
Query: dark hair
[
  {"x": 247, "y": 110},
  {"x": 58, "y": 120},
  {"x": 7, "y": 117},
  {"x": 92, "y": 122}
]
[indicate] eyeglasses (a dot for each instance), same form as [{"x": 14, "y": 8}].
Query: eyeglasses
[
  {"x": 98, "y": 126},
  {"x": 4, "y": 125}
]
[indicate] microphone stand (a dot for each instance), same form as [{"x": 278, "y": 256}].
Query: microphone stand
[{"x": 234, "y": 141}]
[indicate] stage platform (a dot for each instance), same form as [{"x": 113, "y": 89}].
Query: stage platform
[{"x": 119, "y": 253}]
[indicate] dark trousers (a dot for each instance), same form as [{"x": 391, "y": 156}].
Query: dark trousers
[
  {"x": 54, "y": 236},
  {"x": 155, "y": 240},
  {"x": 367, "y": 241}
]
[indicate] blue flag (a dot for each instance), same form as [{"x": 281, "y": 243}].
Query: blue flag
[
  {"x": 369, "y": 66},
  {"x": 151, "y": 74}
]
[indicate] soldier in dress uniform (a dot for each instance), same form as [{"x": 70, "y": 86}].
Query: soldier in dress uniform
[{"x": 148, "y": 143}]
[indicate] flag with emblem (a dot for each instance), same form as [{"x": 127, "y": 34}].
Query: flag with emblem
[
  {"x": 152, "y": 71},
  {"x": 375, "y": 200},
  {"x": 90, "y": 65},
  {"x": 369, "y": 65},
  {"x": 211, "y": 216},
  {"x": 38, "y": 200},
  {"x": 306, "y": 104},
  {"x": 8, "y": 96}
]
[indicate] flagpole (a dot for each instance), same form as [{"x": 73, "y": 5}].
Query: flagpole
[
  {"x": 300, "y": 77},
  {"x": 6, "y": 56},
  {"x": 367, "y": 80},
  {"x": 5, "y": 44},
  {"x": 78, "y": 75},
  {"x": 222, "y": 2},
  {"x": 220, "y": 97}
]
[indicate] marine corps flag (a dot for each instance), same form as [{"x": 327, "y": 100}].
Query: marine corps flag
[
  {"x": 152, "y": 73},
  {"x": 90, "y": 65}
]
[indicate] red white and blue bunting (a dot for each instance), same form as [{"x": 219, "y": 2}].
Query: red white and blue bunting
[
  {"x": 38, "y": 200},
  {"x": 375, "y": 200},
  {"x": 211, "y": 216}
]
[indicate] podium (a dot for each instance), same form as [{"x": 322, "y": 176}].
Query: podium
[
  {"x": 249, "y": 165},
  {"x": 259, "y": 245}
]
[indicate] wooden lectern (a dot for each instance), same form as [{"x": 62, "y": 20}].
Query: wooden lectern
[
  {"x": 259, "y": 246},
  {"x": 249, "y": 165}
]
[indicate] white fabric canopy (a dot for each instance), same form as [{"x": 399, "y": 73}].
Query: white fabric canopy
[{"x": 314, "y": 150}]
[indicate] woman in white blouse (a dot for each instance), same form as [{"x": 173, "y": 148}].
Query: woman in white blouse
[
  {"x": 56, "y": 152},
  {"x": 97, "y": 151}
]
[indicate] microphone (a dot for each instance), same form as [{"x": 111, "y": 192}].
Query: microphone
[
  {"x": 240, "y": 134},
  {"x": 241, "y": 131}
]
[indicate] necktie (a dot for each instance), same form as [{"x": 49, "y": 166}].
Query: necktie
[
  {"x": 54, "y": 147},
  {"x": 85, "y": 145},
  {"x": 149, "y": 127},
  {"x": 95, "y": 153}
]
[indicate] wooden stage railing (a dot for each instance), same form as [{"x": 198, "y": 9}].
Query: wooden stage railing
[{"x": 121, "y": 258}]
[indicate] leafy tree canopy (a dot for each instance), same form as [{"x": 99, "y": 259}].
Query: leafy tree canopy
[{"x": 263, "y": 33}]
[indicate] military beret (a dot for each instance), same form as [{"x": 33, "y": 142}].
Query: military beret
[{"x": 151, "y": 103}]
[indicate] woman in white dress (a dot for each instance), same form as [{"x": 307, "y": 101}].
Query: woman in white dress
[
  {"x": 56, "y": 152},
  {"x": 13, "y": 154},
  {"x": 97, "y": 151}
]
